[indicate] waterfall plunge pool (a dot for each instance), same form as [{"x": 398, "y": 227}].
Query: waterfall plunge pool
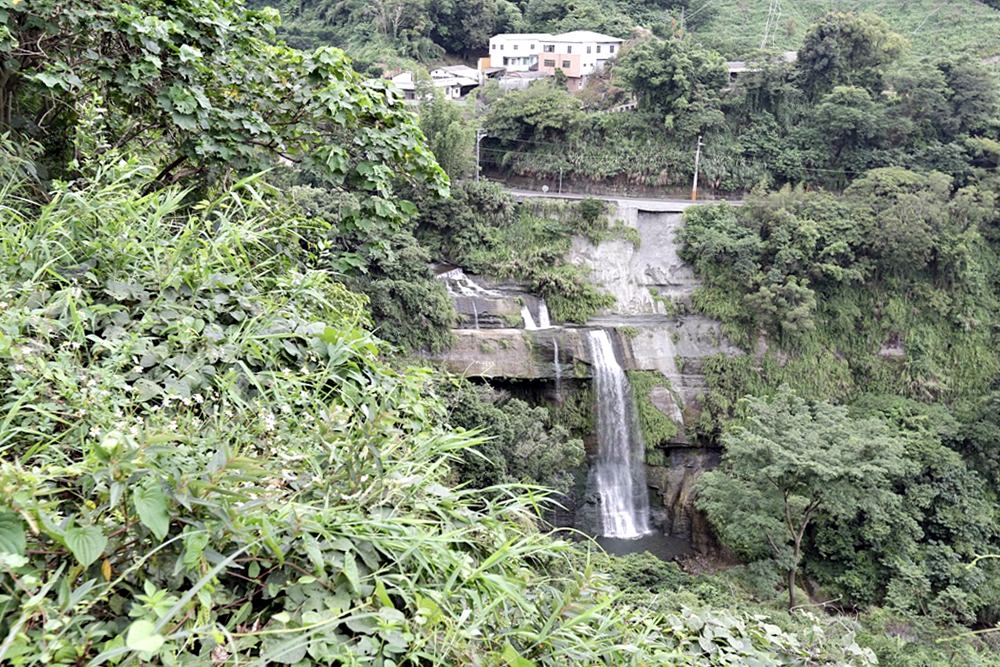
[{"x": 664, "y": 547}]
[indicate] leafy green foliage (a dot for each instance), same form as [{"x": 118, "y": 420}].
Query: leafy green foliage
[
  {"x": 844, "y": 49},
  {"x": 677, "y": 79},
  {"x": 943, "y": 519},
  {"x": 204, "y": 84},
  {"x": 540, "y": 113},
  {"x": 657, "y": 428},
  {"x": 416, "y": 29},
  {"x": 851, "y": 103},
  {"x": 204, "y": 459},
  {"x": 963, "y": 27},
  {"x": 789, "y": 464},
  {"x": 524, "y": 444},
  {"x": 450, "y": 135},
  {"x": 380, "y": 257},
  {"x": 791, "y": 266},
  {"x": 713, "y": 637}
]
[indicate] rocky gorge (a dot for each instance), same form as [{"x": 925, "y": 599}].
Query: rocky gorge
[{"x": 504, "y": 335}]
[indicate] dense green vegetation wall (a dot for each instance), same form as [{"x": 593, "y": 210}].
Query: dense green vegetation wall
[{"x": 884, "y": 298}]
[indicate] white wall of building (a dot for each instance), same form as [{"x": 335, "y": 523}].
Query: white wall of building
[{"x": 518, "y": 52}]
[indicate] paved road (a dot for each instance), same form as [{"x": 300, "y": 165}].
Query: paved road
[{"x": 645, "y": 204}]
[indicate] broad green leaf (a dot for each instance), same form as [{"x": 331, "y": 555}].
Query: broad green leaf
[
  {"x": 51, "y": 80},
  {"x": 143, "y": 637},
  {"x": 151, "y": 506},
  {"x": 12, "y": 534},
  {"x": 351, "y": 572},
  {"x": 86, "y": 542},
  {"x": 515, "y": 659},
  {"x": 189, "y": 53}
]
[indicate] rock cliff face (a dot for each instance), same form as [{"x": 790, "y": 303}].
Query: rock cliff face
[{"x": 499, "y": 338}]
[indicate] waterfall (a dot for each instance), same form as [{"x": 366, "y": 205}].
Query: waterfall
[
  {"x": 543, "y": 315},
  {"x": 475, "y": 314},
  {"x": 555, "y": 364},
  {"x": 669, "y": 369},
  {"x": 529, "y": 321},
  {"x": 619, "y": 473},
  {"x": 459, "y": 284}
]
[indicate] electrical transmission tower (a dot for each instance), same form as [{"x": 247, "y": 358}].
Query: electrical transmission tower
[{"x": 771, "y": 25}]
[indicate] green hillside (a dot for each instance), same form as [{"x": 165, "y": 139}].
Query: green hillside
[{"x": 937, "y": 27}]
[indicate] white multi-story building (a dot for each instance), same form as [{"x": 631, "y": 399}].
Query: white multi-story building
[
  {"x": 517, "y": 52},
  {"x": 577, "y": 54}
]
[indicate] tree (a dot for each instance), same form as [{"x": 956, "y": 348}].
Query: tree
[
  {"x": 850, "y": 122},
  {"x": 566, "y": 15},
  {"x": 677, "y": 79},
  {"x": 450, "y": 135},
  {"x": 846, "y": 49},
  {"x": 205, "y": 87},
  {"x": 524, "y": 445},
  {"x": 465, "y": 26},
  {"x": 788, "y": 463},
  {"x": 973, "y": 94},
  {"x": 945, "y": 99},
  {"x": 914, "y": 222},
  {"x": 540, "y": 113}
]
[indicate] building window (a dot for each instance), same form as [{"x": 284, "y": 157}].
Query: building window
[
  {"x": 515, "y": 47},
  {"x": 532, "y": 47},
  {"x": 493, "y": 47},
  {"x": 612, "y": 47},
  {"x": 598, "y": 48},
  {"x": 569, "y": 49},
  {"x": 565, "y": 64},
  {"x": 549, "y": 48},
  {"x": 549, "y": 63}
]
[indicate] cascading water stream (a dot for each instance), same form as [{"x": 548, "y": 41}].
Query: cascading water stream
[
  {"x": 529, "y": 321},
  {"x": 618, "y": 474},
  {"x": 543, "y": 315},
  {"x": 555, "y": 365},
  {"x": 475, "y": 315}
]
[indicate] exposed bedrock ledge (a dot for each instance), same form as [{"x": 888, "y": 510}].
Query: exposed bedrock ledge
[
  {"x": 676, "y": 347},
  {"x": 518, "y": 354}
]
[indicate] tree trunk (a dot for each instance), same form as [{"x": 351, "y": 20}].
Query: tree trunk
[{"x": 796, "y": 551}]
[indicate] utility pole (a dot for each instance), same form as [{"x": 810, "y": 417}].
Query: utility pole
[
  {"x": 480, "y": 134},
  {"x": 697, "y": 162}
]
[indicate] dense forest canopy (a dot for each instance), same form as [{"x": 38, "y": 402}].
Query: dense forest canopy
[{"x": 219, "y": 444}]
